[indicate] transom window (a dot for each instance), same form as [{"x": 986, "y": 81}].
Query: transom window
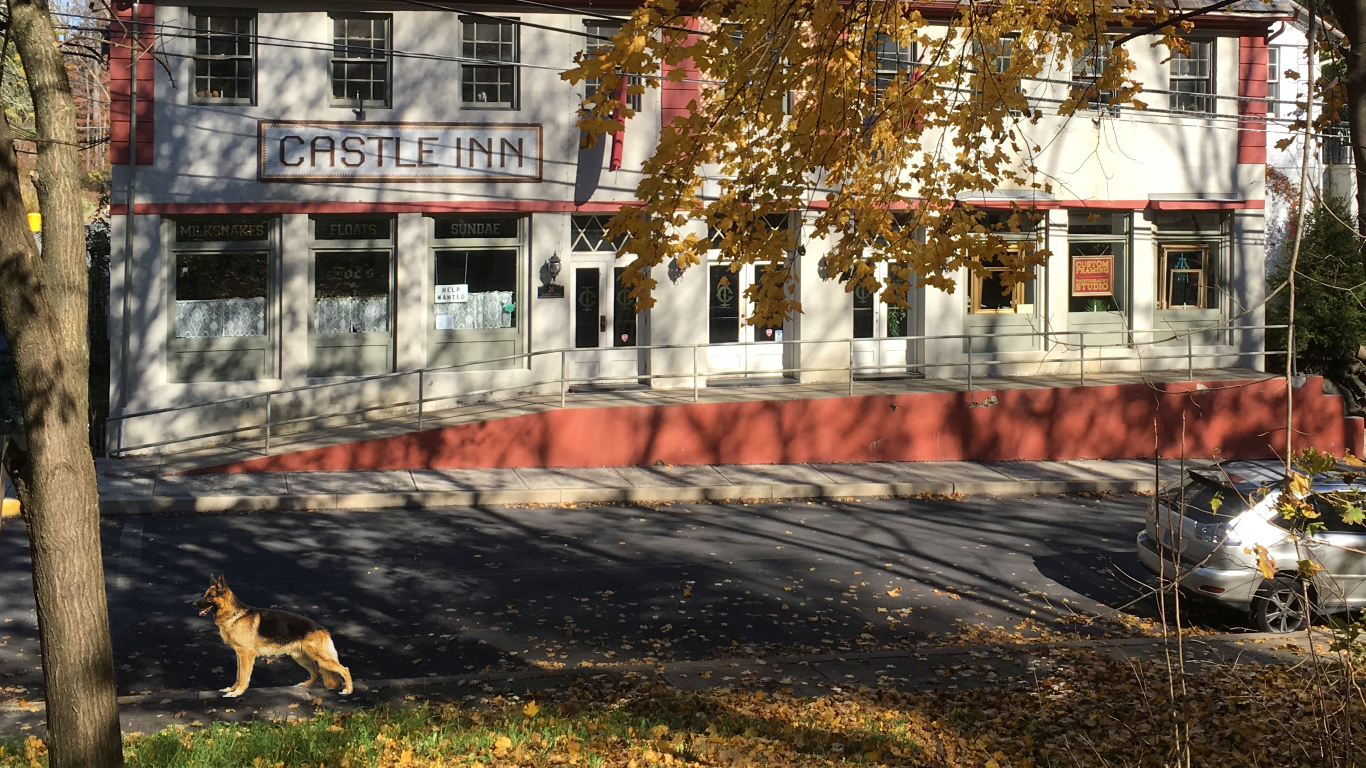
[
  {"x": 598, "y": 29},
  {"x": 362, "y": 57},
  {"x": 590, "y": 234},
  {"x": 488, "y": 77},
  {"x": 1186, "y": 276},
  {"x": 225, "y": 57},
  {"x": 1192, "y": 78},
  {"x": 893, "y": 61}
]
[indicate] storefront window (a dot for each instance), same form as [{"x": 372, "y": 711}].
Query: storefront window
[
  {"x": 220, "y": 295},
  {"x": 992, "y": 295},
  {"x": 351, "y": 292},
  {"x": 476, "y": 289},
  {"x": 1185, "y": 272},
  {"x": 1098, "y": 244}
]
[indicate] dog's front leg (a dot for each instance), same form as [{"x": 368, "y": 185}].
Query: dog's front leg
[{"x": 245, "y": 660}]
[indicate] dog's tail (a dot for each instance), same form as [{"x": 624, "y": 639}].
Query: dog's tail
[{"x": 331, "y": 680}]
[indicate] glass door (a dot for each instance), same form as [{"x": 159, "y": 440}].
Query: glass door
[{"x": 605, "y": 322}]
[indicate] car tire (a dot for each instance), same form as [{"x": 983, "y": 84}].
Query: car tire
[{"x": 1279, "y": 606}]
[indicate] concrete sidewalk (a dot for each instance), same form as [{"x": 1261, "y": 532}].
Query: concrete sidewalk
[{"x": 124, "y": 489}]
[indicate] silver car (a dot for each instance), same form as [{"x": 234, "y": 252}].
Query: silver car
[{"x": 1212, "y": 523}]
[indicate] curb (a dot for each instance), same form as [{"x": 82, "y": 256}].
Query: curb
[
  {"x": 113, "y": 507},
  {"x": 694, "y": 666}
]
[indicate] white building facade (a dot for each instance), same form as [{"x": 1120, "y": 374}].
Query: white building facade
[{"x": 323, "y": 196}]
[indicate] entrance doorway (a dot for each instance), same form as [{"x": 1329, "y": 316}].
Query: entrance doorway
[
  {"x": 881, "y": 347},
  {"x": 606, "y": 326}
]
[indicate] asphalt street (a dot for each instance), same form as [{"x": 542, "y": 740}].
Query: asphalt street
[{"x": 426, "y": 593}]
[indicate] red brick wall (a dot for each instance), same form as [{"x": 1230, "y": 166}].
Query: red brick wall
[
  {"x": 1226, "y": 419},
  {"x": 121, "y": 44}
]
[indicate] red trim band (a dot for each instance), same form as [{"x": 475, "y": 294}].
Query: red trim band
[{"x": 608, "y": 206}]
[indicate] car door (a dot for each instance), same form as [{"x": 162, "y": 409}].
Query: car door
[{"x": 1340, "y": 549}]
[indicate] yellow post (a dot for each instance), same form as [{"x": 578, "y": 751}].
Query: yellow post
[{"x": 35, "y": 222}]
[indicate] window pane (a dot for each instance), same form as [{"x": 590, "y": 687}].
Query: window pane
[
  {"x": 351, "y": 292},
  {"x": 995, "y": 296},
  {"x": 724, "y": 306},
  {"x": 767, "y": 332},
  {"x": 623, "y": 312},
  {"x": 587, "y": 303},
  {"x": 490, "y": 294},
  {"x": 1092, "y": 302},
  {"x": 224, "y": 60},
  {"x": 220, "y": 295},
  {"x": 361, "y": 59},
  {"x": 863, "y": 313}
]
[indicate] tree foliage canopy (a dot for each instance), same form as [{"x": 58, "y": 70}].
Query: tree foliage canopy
[
  {"x": 821, "y": 106},
  {"x": 1330, "y": 301}
]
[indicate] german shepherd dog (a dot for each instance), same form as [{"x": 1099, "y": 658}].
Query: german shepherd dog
[{"x": 252, "y": 632}]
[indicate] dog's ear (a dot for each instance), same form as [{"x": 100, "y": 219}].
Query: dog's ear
[{"x": 218, "y": 581}]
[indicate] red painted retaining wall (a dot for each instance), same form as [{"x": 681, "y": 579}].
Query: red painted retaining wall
[{"x": 1228, "y": 419}]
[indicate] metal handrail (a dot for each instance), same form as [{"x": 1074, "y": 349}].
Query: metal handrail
[{"x": 565, "y": 382}]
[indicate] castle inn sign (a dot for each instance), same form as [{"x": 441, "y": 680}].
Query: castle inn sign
[{"x": 297, "y": 150}]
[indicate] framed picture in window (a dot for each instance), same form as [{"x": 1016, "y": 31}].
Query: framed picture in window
[{"x": 1184, "y": 271}]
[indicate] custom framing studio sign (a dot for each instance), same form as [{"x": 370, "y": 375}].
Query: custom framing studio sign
[
  {"x": 297, "y": 150},
  {"x": 1093, "y": 275}
]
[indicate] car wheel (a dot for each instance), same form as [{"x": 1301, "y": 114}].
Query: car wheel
[{"x": 1279, "y": 606}]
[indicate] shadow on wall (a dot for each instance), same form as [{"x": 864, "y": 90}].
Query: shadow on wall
[{"x": 1223, "y": 419}]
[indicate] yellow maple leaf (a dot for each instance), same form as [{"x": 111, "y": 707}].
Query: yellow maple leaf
[
  {"x": 501, "y": 745},
  {"x": 531, "y": 709}
]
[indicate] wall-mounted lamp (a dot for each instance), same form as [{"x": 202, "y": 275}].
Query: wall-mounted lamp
[{"x": 549, "y": 271}]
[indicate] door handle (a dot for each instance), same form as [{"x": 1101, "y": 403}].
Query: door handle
[{"x": 602, "y": 323}]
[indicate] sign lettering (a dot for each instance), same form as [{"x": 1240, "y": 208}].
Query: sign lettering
[
  {"x": 1093, "y": 275},
  {"x": 340, "y": 151},
  {"x": 351, "y": 229},
  {"x": 234, "y": 230},
  {"x": 466, "y": 227}
]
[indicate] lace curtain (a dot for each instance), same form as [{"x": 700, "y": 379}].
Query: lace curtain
[
  {"x": 218, "y": 318},
  {"x": 483, "y": 310},
  {"x": 351, "y": 314}
]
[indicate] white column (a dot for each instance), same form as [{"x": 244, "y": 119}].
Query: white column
[
  {"x": 294, "y": 304},
  {"x": 679, "y": 316},
  {"x": 411, "y": 292},
  {"x": 827, "y": 313},
  {"x": 1143, "y": 282},
  {"x": 1057, "y": 278}
]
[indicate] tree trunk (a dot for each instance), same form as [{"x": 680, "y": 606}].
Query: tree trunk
[
  {"x": 43, "y": 301},
  {"x": 1351, "y": 18}
]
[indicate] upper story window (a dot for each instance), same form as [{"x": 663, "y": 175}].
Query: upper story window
[
  {"x": 893, "y": 61},
  {"x": 488, "y": 76},
  {"x": 362, "y": 59},
  {"x": 1273, "y": 80},
  {"x": 1192, "y": 78},
  {"x": 1086, "y": 71},
  {"x": 598, "y": 30},
  {"x": 994, "y": 58},
  {"x": 225, "y": 57}
]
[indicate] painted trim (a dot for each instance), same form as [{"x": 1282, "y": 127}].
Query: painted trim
[
  {"x": 612, "y": 206},
  {"x": 1207, "y": 205}
]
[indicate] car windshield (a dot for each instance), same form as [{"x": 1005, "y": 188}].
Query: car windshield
[{"x": 1200, "y": 502}]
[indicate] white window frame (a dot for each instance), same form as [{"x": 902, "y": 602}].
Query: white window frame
[
  {"x": 1183, "y": 72},
  {"x": 471, "y": 65},
  {"x": 346, "y": 99}
]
